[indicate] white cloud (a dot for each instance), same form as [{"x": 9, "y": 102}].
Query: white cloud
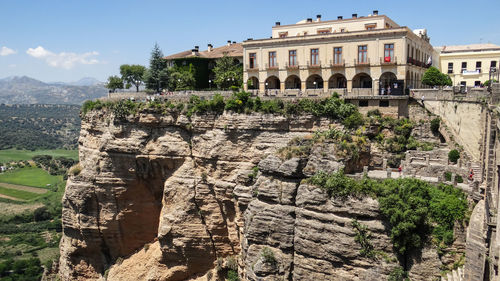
[
  {"x": 63, "y": 59},
  {"x": 4, "y": 51}
]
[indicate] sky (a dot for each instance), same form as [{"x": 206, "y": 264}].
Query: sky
[{"x": 66, "y": 40}]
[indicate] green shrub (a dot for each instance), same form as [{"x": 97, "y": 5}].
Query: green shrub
[
  {"x": 232, "y": 275},
  {"x": 453, "y": 155},
  {"x": 398, "y": 274},
  {"x": 435, "y": 123},
  {"x": 374, "y": 113},
  {"x": 268, "y": 256},
  {"x": 354, "y": 120},
  {"x": 363, "y": 237}
]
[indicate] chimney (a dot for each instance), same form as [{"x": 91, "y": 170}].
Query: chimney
[
  {"x": 318, "y": 18},
  {"x": 278, "y": 23},
  {"x": 197, "y": 48},
  {"x": 375, "y": 12},
  {"x": 210, "y": 47},
  {"x": 354, "y": 16},
  {"x": 249, "y": 39},
  {"x": 194, "y": 52},
  {"x": 228, "y": 42},
  {"x": 309, "y": 20},
  {"x": 234, "y": 42},
  {"x": 340, "y": 17}
]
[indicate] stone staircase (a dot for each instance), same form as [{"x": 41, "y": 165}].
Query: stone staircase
[{"x": 455, "y": 275}]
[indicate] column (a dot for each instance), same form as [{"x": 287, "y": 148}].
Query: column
[
  {"x": 325, "y": 86},
  {"x": 349, "y": 86},
  {"x": 302, "y": 86},
  {"x": 282, "y": 86},
  {"x": 375, "y": 87},
  {"x": 262, "y": 87}
]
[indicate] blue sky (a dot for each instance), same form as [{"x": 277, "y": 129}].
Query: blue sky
[{"x": 65, "y": 40}]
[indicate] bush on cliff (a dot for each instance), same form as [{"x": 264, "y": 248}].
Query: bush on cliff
[
  {"x": 453, "y": 155},
  {"x": 414, "y": 208}
]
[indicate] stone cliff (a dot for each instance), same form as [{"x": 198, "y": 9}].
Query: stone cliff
[{"x": 164, "y": 197}]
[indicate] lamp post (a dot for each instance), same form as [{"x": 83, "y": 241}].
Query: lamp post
[
  {"x": 210, "y": 84},
  {"x": 315, "y": 85}
]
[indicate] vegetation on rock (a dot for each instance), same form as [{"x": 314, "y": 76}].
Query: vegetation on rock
[
  {"x": 413, "y": 208},
  {"x": 453, "y": 155}
]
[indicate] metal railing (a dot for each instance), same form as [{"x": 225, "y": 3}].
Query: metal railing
[
  {"x": 362, "y": 63},
  {"x": 334, "y": 63},
  {"x": 293, "y": 66},
  {"x": 317, "y": 64},
  {"x": 254, "y": 67},
  {"x": 272, "y": 66},
  {"x": 391, "y": 61}
]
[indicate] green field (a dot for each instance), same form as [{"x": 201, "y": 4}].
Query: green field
[
  {"x": 18, "y": 155},
  {"x": 31, "y": 176},
  {"x": 21, "y": 194}
]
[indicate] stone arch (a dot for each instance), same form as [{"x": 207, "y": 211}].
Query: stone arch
[
  {"x": 314, "y": 82},
  {"x": 336, "y": 81},
  {"x": 292, "y": 82},
  {"x": 253, "y": 83},
  {"x": 362, "y": 80},
  {"x": 388, "y": 84},
  {"x": 272, "y": 82}
]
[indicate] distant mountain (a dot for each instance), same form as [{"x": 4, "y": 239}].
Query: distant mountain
[
  {"x": 26, "y": 90},
  {"x": 87, "y": 81}
]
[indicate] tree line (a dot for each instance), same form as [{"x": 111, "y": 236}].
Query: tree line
[{"x": 159, "y": 76}]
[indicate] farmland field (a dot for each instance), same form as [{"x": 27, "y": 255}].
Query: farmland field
[
  {"x": 8, "y": 155},
  {"x": 21, "y": 194},
  {"x": 29, "y": 176}
]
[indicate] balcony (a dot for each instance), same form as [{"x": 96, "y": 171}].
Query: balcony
[
  {"x": 272, "y": 66},
  {"x": 388, "y": 61},
  {"x": 362, "y": 63},
  {"x": 316, "y": 64},
  {"x": 292, "y": 66},
  {"x": 254, "y": 67},
  {"x": 337, "y": 64}
]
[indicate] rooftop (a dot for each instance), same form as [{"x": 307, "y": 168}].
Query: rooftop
[
  {"x": 468, "y": 48},
  {"x": 232, "y": 50}
]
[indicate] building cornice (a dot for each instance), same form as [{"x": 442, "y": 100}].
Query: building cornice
[
  {"x": 317, "y": 23},
  {"x": 333, "y": 37}
]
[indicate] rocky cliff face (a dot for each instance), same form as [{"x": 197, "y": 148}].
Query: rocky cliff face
[{"x": 161, "y": 197}]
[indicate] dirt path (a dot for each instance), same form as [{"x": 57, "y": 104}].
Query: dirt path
[
  {"x": 11, "y": 198},
  {"x": 24, "y": 188}
]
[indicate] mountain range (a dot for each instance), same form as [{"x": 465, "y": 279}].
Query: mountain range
[{"x": 27, "y": 90}]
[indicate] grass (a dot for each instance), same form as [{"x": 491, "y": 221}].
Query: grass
[
  {"x": 30, "y": 176},
  {"x": 9, "y": 155},
  {"x": 21, "y": 194}
]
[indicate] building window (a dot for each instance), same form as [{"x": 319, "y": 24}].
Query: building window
[
  {"x": 292, "y": 57},
  {"x": 342, "y": 30},
  {"x": 371, "y": 26},
  {"x": 464, "y": 66},
  {"x": 463, "y": 83},
  {"x": 450, "y": 67},
  {"x": 272, "y": 59},
  {"x": 362, "y": 57},
  {"x": 252, "y": 60},
  {"x": 388, "y": 52},
  {"x": 324, "y": 31},
  {"x": 493, "y": 63},
  {"x": 383, "y": 103},
  {"x": 363, "y": 103},
  {"x": 314, "y": 56},
  {"x": 337, "y": 55},
  {"x": 477, "y": 83},
  {"x": 478, "y": 66}
]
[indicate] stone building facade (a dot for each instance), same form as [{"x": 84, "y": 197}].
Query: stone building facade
[{"x": 359, "y": 56}]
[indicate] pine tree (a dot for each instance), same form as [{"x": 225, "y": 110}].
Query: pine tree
[{"x": 156, "y": 76}]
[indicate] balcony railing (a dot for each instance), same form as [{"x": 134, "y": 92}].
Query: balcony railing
[
  {"x": 316, "y": 64},
  {"x": 362, "y": 63},
  {"x": 272, "y": 66},
  {"x": 254, "y": 67},
  {"x": 388, "y": 60},
  {"x": 292, "y": 66},
  {"x": 334, "y": 63},
  {"x": 417, "y": 62}
]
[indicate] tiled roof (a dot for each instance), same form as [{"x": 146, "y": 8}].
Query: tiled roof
[
  {"x": 468, "y": 48},
  {"x": 233, "y": 50}
]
